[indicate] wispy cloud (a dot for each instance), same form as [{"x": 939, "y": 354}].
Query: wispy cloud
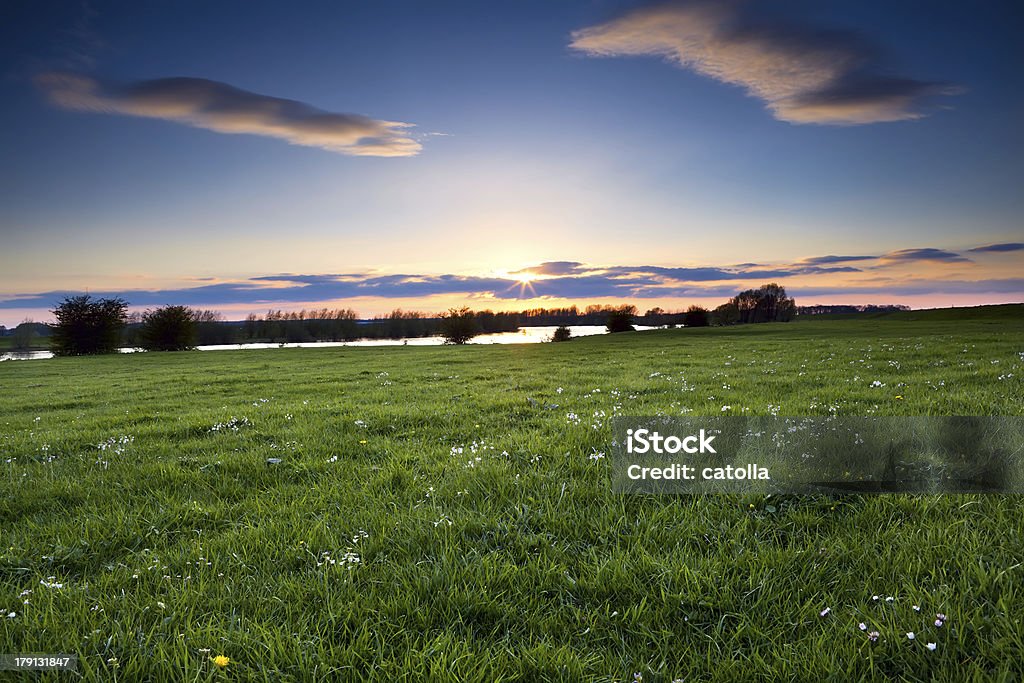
[
  {"x": 926, "y": 254},
  {"x": 998, "y": 248},
  {"x": 223, "y": 108},
  {"x": 310, "y": 289},
  {"x": 552, "y": 268},
  {"x": 576, "y": 280},
  {"x": 823, "y": 260},
  {"x": 803, "y": 74}
]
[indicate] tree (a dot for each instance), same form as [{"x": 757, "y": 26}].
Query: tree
[
  {"x": 767, "y": 303},
  {"x": 620, "y": 319},
  {"x": 211, "y": 328},
  {"x": 171, "y": 328},
  {"x": 561, "y": 334},
  {"x": 458, "y": 325},
  {"x": 726, "y": 314},
  {"x": 25, "y": 335},
  {"x": 696, "y": 316},
  {"x": 88, "y": 326}
]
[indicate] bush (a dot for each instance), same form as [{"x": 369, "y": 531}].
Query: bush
[
  {"x": 726, "y": 314},
  {"x": 562, "y": 334},
  {"x": 25, "y": 336},
  {"x": 458, "y": 326},
  {"x": 621, "y": 319},
  {"x": 86, "y": 326},
  {"x": 695, "y": 316},
  {"x": 171, "y": 328}
]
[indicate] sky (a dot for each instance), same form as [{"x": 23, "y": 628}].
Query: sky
[{"x": 243, "y": 156}]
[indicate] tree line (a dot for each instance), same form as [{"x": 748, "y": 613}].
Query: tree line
[{"x": 86, "y": 325}]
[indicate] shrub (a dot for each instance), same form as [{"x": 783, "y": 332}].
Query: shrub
[
  {"x": 171, "y": 328},
  {"x": 696, "y": 316},
  {"x": 726, "y": 314},
  {"x": 88, "y": 326},
  {"x": 621, "y": 319},
  {"x": 562, "y": 334},
  {"x": 458, "y": 326},
  {"x": 25, "y": 336}
]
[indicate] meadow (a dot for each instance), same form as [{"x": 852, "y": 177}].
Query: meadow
[{"x": 446, "y": 513}]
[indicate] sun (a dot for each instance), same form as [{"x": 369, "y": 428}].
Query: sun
[{"x": 523, "y": 280}]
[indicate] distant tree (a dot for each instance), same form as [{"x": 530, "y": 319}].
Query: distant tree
[
  {"x": 211, "y": 328},
  {"x": 726, "y": 314},
  {"x": 620, "y": 319},
  {"x": 25, "y": 336},
  {"x": 88, "y": 326},
  {"x": 458, "y": 325},
  {"x": 561, "y": 334},
  {"x": 767, "y": 303},
  {"x": 170, "y": 328},
  {"x": 696, "y": 316}
]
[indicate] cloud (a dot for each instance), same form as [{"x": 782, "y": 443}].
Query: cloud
[
  {"x": 927, "y": 254},
  {"x": 309, "y": 289},
  {"x": 225, "y": 109},
  {"x": 570, "y": 280},
  {"x": 822, "y": 260},
  {"x": 551, "y": 268},
  {"x": 803, "y": 74},
  {"x": 1006, "y": 246},
  {"x": 921, "y": 287}
]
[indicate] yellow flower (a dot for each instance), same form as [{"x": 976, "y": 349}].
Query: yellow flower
[
  {"x": 220, "y": 660},
  {"x": 899, "y": 398},
  {"x": 362, "y": 441}
]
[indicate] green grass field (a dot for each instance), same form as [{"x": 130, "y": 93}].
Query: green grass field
[{"x": 428, "y": 521}]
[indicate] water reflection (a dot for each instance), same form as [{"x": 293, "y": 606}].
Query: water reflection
[{"x": 526, "y": 335}]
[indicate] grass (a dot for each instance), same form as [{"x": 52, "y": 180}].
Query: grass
[{"x": 427, "y": 521}]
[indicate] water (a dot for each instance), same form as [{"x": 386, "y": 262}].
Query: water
[{"x": 526, "y": 335}]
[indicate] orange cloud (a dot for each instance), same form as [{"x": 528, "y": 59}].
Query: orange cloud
[
  {"x": 803, "y": 74},
  {"x": 225, "y": 109}
]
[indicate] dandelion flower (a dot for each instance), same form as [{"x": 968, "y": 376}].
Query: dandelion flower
[
  {"x": 363, "y": 441},
  {"x": 899, "y": 398},
  {"x": 220, "y": 661}
]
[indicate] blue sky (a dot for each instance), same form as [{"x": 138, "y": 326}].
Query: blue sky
[{"x": 625, "y": 137}]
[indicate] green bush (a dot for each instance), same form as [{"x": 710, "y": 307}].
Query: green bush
[
  {"x": 88, "y": 326},
  {"x": 171, "y": 328},
  {"x": 562, "y": 334},
  {"x": 459, "y": 325},
  {"x": 621, "y": 319}
]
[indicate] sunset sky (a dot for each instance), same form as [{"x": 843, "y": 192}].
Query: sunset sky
[{"x": 242, "y": 156}]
